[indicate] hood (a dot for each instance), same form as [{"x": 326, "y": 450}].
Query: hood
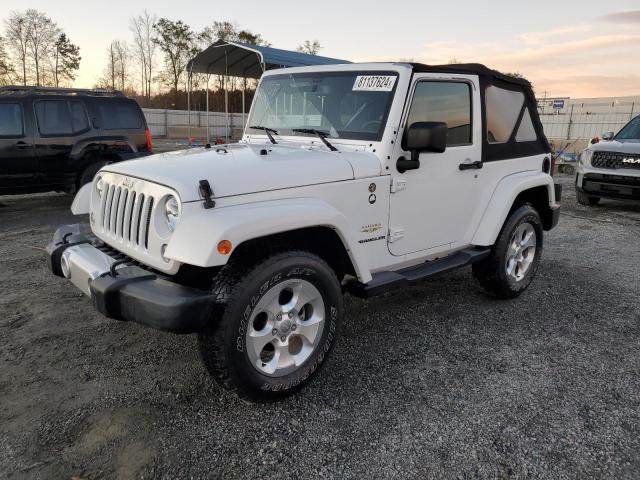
[
  {"x": 242, "y": 168},
  {"x": 625, "y": 146}
]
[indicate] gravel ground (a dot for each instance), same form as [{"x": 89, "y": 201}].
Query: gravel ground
[{"x": 434, "y": 381}]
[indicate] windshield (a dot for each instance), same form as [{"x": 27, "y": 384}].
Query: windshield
[
  {"x": 349, "y": 105},
  {"x": 631, "y": 131}
]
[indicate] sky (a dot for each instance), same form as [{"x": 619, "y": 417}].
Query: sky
[{"x": 574, "y": 48}]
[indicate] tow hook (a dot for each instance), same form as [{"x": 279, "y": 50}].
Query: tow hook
[{"x": 206, "y": 192}]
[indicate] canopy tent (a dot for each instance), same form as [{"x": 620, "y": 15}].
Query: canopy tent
[
  {"x": 238, "y": 59},
  {"x": 245, "y": 60}
]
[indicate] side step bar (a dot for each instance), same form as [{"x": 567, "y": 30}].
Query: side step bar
[{"x": 387, "y": 280}]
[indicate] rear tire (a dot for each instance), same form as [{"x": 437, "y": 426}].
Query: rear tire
[
  {"x": 515, "y": 256},
  {"x": 277, "y": 321},
  {"x": 584, "y": 199}
]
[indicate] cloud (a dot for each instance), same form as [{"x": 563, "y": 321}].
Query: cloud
[
  {"x": 584, "y": 66},
  {"x": 586, "y": 86},
  {"x": 536, "y": 38},
  {"x": 628, "y": 16}
]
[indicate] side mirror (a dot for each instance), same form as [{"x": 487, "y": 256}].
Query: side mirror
[
  {"x": 422, "y": 137},
  {"x": 607, "y": 136}
]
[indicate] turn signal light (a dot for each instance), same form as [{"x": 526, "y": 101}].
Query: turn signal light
[{"x": 224, "y": 247}]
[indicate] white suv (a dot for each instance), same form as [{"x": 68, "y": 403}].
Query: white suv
[
  {"x": 611, "y": 168},
  {"x": 357, "y": 178}
]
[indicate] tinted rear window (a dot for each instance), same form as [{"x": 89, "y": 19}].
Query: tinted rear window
[
  {"x": 10, "y": 120},
  {"x": 118, "y": 115}
]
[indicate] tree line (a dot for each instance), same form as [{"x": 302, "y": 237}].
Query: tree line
[
  {"x": 34, "y": 50},
  {"x": 150, "y": 65}
]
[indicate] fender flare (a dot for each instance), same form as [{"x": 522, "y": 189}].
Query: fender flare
[
  {"x": 196, "y": 236},
  {"x": 502, "y": 200},
  {"x": 100, "y": 145},
  {"x": 81, "y": 204}
]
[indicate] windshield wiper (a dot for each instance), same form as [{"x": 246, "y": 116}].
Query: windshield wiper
[
  {"x": 320, "y": 133},
  {"x": 268, "y": 131}
]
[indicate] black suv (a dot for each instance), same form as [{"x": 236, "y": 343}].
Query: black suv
[{"x": 57, "y": 139}]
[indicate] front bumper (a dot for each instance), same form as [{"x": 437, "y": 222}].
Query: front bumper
[
  {"x": 126, "y": 292},
  {"x": 624, "y": 187}
]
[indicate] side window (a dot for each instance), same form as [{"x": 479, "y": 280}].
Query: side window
[
  {"x": 448, "y": 102},
  {"x": 503, "y": 109},
  {"x": 11, "y": 124},
  {"x": 526, "y": 132},
  {"x": 53, "y": 117},
  {"x": 79, "y": 119},
  {"x": 120, "y": 115}
]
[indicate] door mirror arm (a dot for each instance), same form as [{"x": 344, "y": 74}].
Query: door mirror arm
[
  {"x": 402, "y": 165},
  {"x": 422, "y": 137}
]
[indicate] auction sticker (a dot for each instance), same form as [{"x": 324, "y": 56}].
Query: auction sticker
[{"x": 374, "y": 83}]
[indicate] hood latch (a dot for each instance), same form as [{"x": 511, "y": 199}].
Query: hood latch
[{"x": 205, "y": 192}]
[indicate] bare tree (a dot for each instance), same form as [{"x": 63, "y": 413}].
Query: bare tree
[
  {"x": 312, "y": 47},
  {"x": 6, "y": 68},
  {"x": 122, "y": 61},
  {"x": 41, "y": 35},
  {"x": 111, "y": 69},
  {"x": 16, "y": 29},
  {"x": 145, "y": 48},
  {"x": 115, "y": 71}
]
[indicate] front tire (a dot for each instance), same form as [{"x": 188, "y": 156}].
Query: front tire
[
  {"x": 584, "y": 199},
  {"x": 88, "y": 173},
  {"x": 278, "y": 321},
  {"x": 515, "y": 256}
]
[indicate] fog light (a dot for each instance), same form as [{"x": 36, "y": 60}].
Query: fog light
[
  {"x": 64, "y": 265},
  {"x": 224, "y": 247}
]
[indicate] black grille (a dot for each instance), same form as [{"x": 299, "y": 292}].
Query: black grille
[{"x": 615, "y": 160}]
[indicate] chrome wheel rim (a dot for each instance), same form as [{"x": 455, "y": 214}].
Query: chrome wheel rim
[
  {"x": 521, "y": 251},
  {"x": 285, "y": 327}
]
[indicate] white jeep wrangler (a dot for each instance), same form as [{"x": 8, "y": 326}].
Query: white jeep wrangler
[{"x": 357, "y": 178}]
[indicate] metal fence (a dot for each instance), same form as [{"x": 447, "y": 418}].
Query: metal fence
[
  {"x": 175, "y": 123},
  {"x": 576, "y": 121},
  {"x": 587, "y": 118}
]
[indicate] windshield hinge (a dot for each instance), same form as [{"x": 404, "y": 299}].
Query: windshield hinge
[
  {"x": 395, "y": 234},
  {"x": 398, "y": 184}
]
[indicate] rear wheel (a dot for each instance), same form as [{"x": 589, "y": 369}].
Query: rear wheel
[
  {"x": 584, "y": 199},
  {"x": 515, "y": 256},
  {"x": 278, "y": 320}
]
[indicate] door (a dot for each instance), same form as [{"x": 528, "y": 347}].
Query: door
[
  {"x": 18, "y": 164},
  {"x": 432, "y": 206},
  {"x": 61, "y": 123}
]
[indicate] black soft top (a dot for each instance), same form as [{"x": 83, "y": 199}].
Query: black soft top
[
  {"x": 488, "y": 77},
  {"x": 471, "y": 69}
]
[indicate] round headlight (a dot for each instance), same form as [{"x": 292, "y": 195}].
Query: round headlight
[
  {"x": 99, "y": 186},
  {"x": 171, "y": 212}
]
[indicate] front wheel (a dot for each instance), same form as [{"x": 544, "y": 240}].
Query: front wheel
[
  {"x": 515, "y": 256},
  {"x": 88, "y": 173},
  {"x": 279, "y": 320}
]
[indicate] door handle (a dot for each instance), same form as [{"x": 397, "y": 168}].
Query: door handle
[
  {"x": 23, "y": 145},
  {"x": 470, "y": 165}
]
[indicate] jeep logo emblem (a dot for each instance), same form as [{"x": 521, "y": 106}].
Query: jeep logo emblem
[
  {"x": 631, "y": 160},
  {"x": 127, "y": 182}
]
